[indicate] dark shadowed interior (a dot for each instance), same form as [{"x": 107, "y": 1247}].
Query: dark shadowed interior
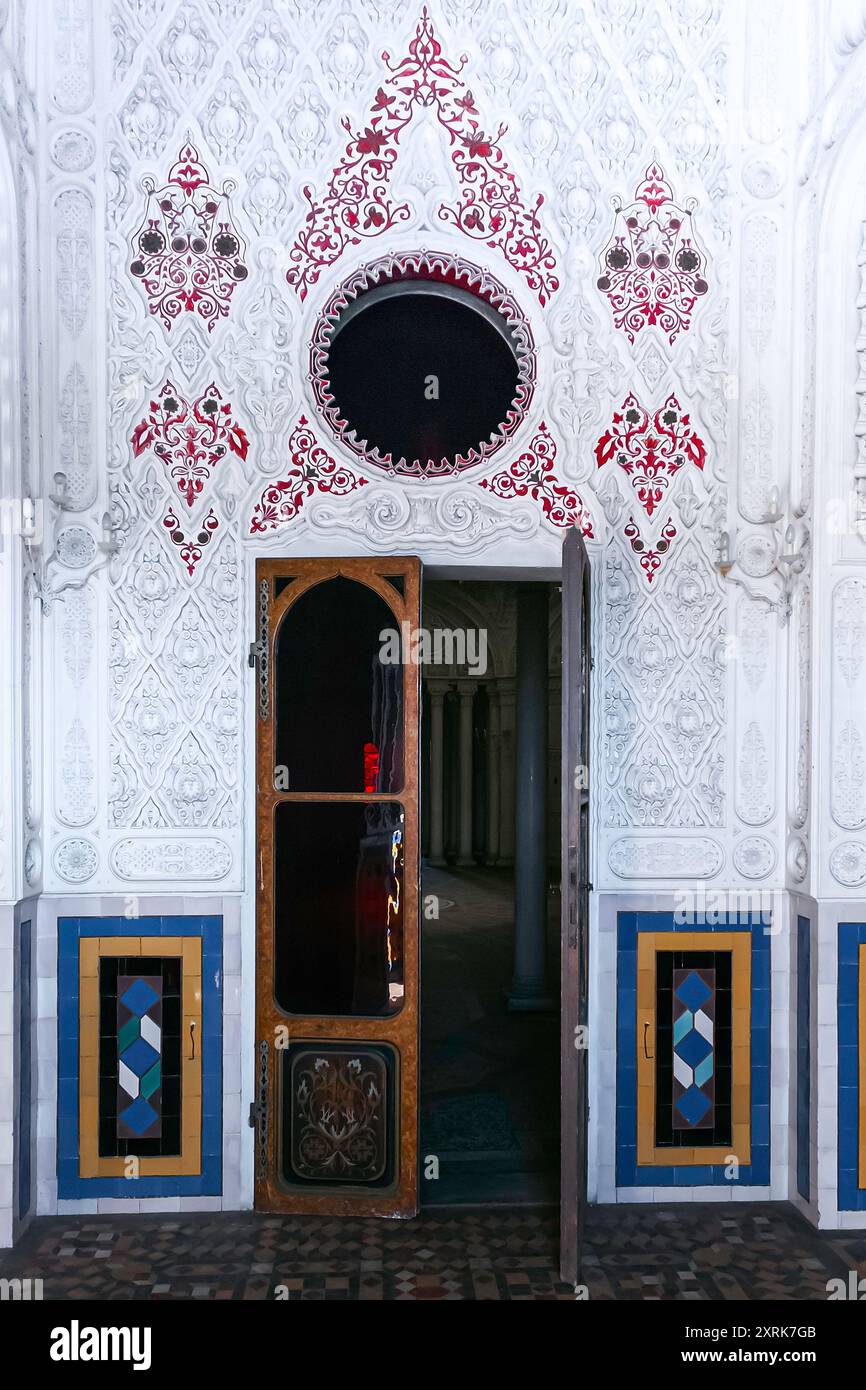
[{"x": 423, "y": 375}]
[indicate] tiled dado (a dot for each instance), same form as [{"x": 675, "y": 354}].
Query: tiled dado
[
  {"x": 140, "y": 1057},
  {"x": 851, "y": 1002},
  {"x": 693, "y": 1052}
]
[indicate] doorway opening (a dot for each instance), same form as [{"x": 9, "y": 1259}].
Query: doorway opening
[{"x": 489, "y": 1114}]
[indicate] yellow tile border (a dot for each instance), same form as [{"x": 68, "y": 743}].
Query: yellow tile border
[
  {"x": 740, "y": 946},
  {"x": 90, "y": 950},
  {"x": 119, "y": 945},
  {"x": 861, "y": 1068}
]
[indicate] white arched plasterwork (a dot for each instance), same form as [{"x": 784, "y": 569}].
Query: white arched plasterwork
[
  {"x": 11, "y": 637},
  {"x": 831, "y": 658},
  {"x": 148, "y": 731},
  {"x": 261, "y": 108},
  {"x": 838, "y": 186}
]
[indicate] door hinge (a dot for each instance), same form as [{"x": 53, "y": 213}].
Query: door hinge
[
  {"x": 259, "y": 1110},
  {"x": 259, "y": 654}
]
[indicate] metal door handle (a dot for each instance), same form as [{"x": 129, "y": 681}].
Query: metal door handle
[{"x": 645, "y": 1053}]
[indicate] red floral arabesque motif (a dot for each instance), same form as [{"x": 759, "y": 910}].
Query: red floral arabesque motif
[
  {"x": 651, "y": 450},
  {"x": 190, "y": 548},
  {"x": 356, "y": 205},
  {"x": 650, "y": 453},
  {"x": 532, "y": 475},
  {"x": 190, "y": 440},
  {"x": 312, "y": 470},
  {"x": 652, "y": 269},
  {"x": 650, "y": 555},
  {"x": 187, "y": 252},
  {"x": 404, "y": 268}
]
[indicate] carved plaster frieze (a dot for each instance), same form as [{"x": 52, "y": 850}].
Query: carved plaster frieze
[
  {"x": 145, "y": 859},
  {"x": 657, "y": 857}
]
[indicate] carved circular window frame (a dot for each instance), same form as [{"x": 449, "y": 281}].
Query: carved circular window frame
[{"x": 427, "y": 266}]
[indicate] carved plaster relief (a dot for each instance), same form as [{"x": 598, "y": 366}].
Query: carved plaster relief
[
  {"x": 261, "y": 107},
  {"x": 848, "y": 706},
  {"x": 684, "y": 857},
  {"x": 664, "y": 674},
  {"x": 149, "y": 859}
]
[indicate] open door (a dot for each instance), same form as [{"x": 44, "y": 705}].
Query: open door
[
  {"x": 336, "y": 1112},
  {"x": 575, "y": 899}
]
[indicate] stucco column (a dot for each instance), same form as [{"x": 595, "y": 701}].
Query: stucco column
[
  {"x": 466, "y": 691},
  {"x": 528, "y": 987},
  {"x": 437, "y": 691},
  {"x": 492, "y": 773},
  {"x": 505, "y": 691}
]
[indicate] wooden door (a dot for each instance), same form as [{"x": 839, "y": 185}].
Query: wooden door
[
  {"x": 575, "y": 898},
  {"x": 336, "y": 1110}
]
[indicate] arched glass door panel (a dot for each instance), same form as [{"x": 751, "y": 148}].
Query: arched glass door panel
[
  {"x": 339, "y": 692},
  {"x": 336, "y": 1111}
]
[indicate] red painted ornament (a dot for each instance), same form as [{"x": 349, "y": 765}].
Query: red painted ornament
[
  {"x": 356, "y": 204},
  {"x": 650, "y": 555},
  {"x": 187, "y": 253},
  {"x": 532, "y": 475},
  {"x": 652, "y": 269},
  {"x": 190, "y": 547},
  {"x": 190, "y": 439},
  {"x": 312, "y": 470},
  {"x": 650, "y": 450}
]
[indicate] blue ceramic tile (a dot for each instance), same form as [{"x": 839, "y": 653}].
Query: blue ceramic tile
[
  {"x": 851, "y": 935},
  {"x": 67, "y": 937},
  {"x": 209, "y": 1181},
  {"x": 629, "y": 1174},
  {"x": 626, "y": 1125},
  {"x": 652, "y": 1176},
  {"x": 696, "y": 1175},
  {"x": 848, "y": 1031}
]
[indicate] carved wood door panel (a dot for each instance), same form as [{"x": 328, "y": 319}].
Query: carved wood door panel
[
  {"x": 337, "y": 717},
  {"x": 575, "y": 898}
]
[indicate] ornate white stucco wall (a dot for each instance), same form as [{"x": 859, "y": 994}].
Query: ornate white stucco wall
[{"x": 134, "y": 774}]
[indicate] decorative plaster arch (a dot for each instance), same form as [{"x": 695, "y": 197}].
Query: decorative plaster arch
[
  {"x": 837, "y": 178},
  {"x": 11, "y": 490}
]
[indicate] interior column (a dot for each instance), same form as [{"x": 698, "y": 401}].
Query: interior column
[
  {"x": 505, "y": 689},
  {"x": 528, "y": 988},
  {"x": 492, "y": 773},
  {"x": 437, "y": 691},
  {"x": 466, "y": 691}
]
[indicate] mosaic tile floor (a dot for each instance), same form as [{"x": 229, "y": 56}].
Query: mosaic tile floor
[{"x": 689, "y": 1252}]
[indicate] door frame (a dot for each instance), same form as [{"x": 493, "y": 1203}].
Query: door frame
[
  {"x": 399, "y": 1030},
  {"x": 575, "y": 900},
  {"x": 547, "y": 567}
]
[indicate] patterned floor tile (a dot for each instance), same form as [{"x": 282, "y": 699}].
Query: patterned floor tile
[{"x": 638, "y": 1253}]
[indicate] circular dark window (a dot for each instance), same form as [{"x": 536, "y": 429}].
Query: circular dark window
[{"x": 424, "y": 368}]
